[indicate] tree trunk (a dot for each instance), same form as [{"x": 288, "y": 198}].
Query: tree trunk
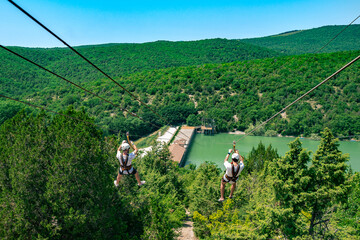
[{"x": 312, "y": 221}]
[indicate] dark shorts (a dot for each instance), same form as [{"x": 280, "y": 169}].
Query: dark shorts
[
  {"x": 223, "y": 181},
  {"x": 227, "y": 181},
  {"x": 131, "y": 171}
]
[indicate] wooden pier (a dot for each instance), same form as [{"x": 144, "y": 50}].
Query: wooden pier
[{"x": 208, "y": 126}]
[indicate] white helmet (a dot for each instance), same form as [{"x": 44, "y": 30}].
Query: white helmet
[
  {"x": 235, "y": 157},
  {"x": 125, "y": 146}
]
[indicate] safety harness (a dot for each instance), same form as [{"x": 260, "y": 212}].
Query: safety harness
[
  {"x": 123, "y": 164},
  {"x": 234, "y": 178}
]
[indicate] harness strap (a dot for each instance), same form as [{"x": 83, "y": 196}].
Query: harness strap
[
  {"x": 123, "y": 164},
  {"x": 126, "y": 168},
  {"x": 234, "y": 177}
]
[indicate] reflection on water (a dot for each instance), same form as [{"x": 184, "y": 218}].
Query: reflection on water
[{"x": 214, "y": 148}]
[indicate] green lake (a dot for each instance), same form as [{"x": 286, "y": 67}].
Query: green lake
[{"x": 214, "y": 148}]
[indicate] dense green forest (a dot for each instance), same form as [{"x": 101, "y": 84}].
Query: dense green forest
[
  {"x": 121, "y": 59},
  {"x": 312, "y": 40},
  {"x": 236, "y": 83},
  {"x": 237, "y": 95},
  {"x": 56, "y": 182},
  {"x": 56, "y": 173}
]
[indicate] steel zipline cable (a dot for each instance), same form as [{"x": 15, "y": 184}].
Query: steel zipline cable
[
  {"x": 337, "y": 34},
  {"x": 301, "y": 97},
  {"x": 57, "y": 113},
  {"x": 87, "y": 60},
  {"x": 92, "y": 64},
  {"x": 44, "y": 108},
  {"x": 132, "y": 95},
  {"x": 326, "y": 44},
  {"x": 76, "y": 85},
  {"x": 312, "y": 88}
]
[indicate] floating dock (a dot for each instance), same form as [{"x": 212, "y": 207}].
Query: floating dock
[{"x": 207, "y": 130}]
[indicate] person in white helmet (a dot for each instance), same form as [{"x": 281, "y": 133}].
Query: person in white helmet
[
  {"x": 233, "y": 171},
  {"x": 125, "y": 158}
]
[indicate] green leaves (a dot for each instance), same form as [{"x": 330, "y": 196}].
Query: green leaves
[
  {"x": 258, "y": 158},
  {"x": 237, "y": 94},
  {"x": 177, "y": 113},
  {"x": 55, "y": 179},
  {"x": 314, "y": 188},
  {"x": 310, "y": 41}
]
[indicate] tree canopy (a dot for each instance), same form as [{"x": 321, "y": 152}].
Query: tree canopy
[{"x": 56, "y": 181}]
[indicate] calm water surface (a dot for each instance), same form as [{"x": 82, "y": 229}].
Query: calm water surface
[{"x": 214, "y": 148}]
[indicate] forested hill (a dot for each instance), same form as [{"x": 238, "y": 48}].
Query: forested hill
[
  {"x": 310, "y": 41},
  {"x": 121, "y": 59},
  {"x": 237, "y": 95},
  {"x": 57, "y": 173}
]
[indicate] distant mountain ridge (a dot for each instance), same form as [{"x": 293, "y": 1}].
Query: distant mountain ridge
[
  {"x": 208, "y": 74},
  {"x": 310, "y": 41},
  {"x": 119, "y": 59},
  {"x": 124, "y": 58}
]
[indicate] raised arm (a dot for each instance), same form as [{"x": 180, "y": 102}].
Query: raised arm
[
  {"x": 227, "y": 155},
  {"x": 241, "y": 158},
  {"x": 237, "y": 151},
  {"x": 135, "y": 148},
  {"x": 132, "y": 145}
]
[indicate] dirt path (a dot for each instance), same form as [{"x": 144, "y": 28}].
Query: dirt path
[{"x": 186, "y": 232}]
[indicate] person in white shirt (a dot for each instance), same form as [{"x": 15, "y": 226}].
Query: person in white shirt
[
  {"x": 125, "y": 158},
  {"x": 233, "y": 171}
]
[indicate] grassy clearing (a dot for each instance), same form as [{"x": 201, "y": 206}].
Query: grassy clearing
[{"x": 151, "y": 138}]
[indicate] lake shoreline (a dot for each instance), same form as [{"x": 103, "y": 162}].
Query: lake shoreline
[
  {"x": 281, "y": 136},
  {"x": 213, "y": 148}
]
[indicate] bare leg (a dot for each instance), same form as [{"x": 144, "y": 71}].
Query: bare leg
[
  {"x": 137, "y": 176},
  {"x": 233, "y": 186},
  {"x": 222, "y": 191},
  {"x": 118, "y": 178}
]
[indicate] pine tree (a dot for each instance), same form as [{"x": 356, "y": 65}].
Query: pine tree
[
  {"x": 258, "y": 157},
  {"x": 54, "y": 180},
  {"x": 328, "y": 182},
  {"x": 290, "y": 181},
  {"x": 24, "y": 159}
]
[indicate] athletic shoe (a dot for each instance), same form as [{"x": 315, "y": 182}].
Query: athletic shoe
[
  {"x": 116, "y": 185},
  {"x": 141, "y": 183}
]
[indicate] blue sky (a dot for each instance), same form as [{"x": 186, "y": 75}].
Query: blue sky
[{"x": 84, "y": 22}]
